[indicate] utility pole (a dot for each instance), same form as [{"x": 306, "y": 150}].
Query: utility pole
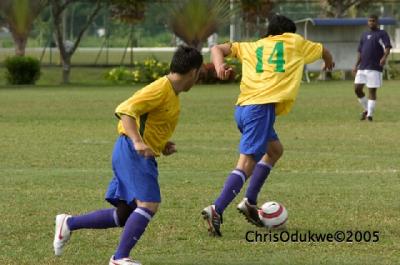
[{"x": 232, "y": 25}]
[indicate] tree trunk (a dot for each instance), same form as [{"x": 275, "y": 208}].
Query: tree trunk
[
  {"x": 66, "y": 64},
  {"x": 20, "y": 44}
]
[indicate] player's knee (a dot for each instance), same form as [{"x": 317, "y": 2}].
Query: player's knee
[
  {"x": 152, "y": 206},
  {"x": 359, "y": 91},
  {"x": 246, "y": 163},
  {"x": 123, "y": 212},
  {"x": 275, "y": 150}
]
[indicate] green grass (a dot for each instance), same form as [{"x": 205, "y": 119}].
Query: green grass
[{"x": 337, "y": 173}]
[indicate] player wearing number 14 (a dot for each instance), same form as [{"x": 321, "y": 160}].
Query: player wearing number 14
[{"x": 272, "y": 68}]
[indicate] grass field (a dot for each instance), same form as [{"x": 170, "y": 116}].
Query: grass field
[{"x": 337, "y": 173}]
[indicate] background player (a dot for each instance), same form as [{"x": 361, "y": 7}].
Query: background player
[
  {"x": 373, "y": 50},
  {"x": 147, "y": 121},
  {"x": 272, "y": 69}
]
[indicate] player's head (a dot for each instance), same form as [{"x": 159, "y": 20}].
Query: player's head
[
  {"x": 373, "y": 22},
  {"x": 279, "y": 24},
  {"x": 186, "y": 62}
]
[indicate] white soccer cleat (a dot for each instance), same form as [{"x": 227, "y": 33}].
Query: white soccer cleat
[
  {"x": 124, "y": 261},
  {"x": 62, "y": 233},
  {"x": 250, "y": 212}
]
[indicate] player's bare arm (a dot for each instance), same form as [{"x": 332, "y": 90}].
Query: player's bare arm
[
  {"x": 328, "y": 60},
  {"x": 169, "y": 149},
  {"x": 132, "y": 132},
  {"x": 384, "y": 57},
  {"x": 357, "y": 63},
  {"x": 218, "y": 53}
]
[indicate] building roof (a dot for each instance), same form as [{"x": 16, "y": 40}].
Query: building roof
[{"x": 346, "y": 21}]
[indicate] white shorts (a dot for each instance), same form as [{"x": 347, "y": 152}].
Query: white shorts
[{"x": 370, "y": 78}]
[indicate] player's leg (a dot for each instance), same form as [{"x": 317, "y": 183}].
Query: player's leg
[
  {"x": 359, "y": 82},
  {"x": 134, "y": 228},
  {"x": 263, "y": 169},
  {"x": 235, "y": 182},
  {"x": 273, "y": 148},
  {"x": 136, "y": 182},
  {"x": 374, "y": 81},
  {"x": 100, "y": 219},
  {"x": 246, "y": 119},
  {"x": 252, "y": 122},
  {"x": 232, "y": 186},
  {"x": 371, "y": 103}
]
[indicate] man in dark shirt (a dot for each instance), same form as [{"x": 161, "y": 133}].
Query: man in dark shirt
[{"x": 373, "y": 51}]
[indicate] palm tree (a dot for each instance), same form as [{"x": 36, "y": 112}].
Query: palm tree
[
  {"x": 254, "y": 12},
  {"x": 19, "y": 16},
  {"x": 193, "y": 21}
]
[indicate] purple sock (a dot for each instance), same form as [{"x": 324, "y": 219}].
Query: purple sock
[
  {"x": 105, "y": 218},
  {"x": 260, "y": 174},
  {"x": 134, "y": 228},
  {"x": 232, "y": 187}
]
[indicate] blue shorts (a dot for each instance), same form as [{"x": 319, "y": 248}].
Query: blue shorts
[
  {"x": 256, "y": 123},
  {"x": 135, "y": 177}
]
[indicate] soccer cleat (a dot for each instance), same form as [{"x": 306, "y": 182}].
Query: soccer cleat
[
  {"x": 369, "y": 118},
  {"x": 124, "y": 261},
  {"x": 62, "y": 233},
  {"x": 214, "y": 220},
  {"x": 250, "y": 212},
  {"x": 363, "y": 115}
]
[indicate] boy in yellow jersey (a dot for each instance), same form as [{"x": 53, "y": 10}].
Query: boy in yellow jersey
[
  {"x": 272, "y": 68},
  {"x": 146, "y": 123}
]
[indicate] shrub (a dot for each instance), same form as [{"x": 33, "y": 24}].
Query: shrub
[
  {"x": 22, "y": 70},
  {"x": 152, "y": 69},
  {"x": 142, "y": 72}
]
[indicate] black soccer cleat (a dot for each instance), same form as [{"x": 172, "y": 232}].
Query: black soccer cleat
[{"x": 369, "y": 118}]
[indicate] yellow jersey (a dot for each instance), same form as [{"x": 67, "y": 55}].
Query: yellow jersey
[
  {"x": 272, "y": 69},
  {"x": 156, "y": 109}
]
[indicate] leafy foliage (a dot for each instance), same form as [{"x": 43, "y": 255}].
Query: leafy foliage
[
  {"x": 143, "y": 72},
  {"x": 128, "y": 11},
  {"x": 340, "y": 8},
  {"x": 22, "y": 70},
  {"x": 19, "y": 15},
  {"x": 194, "y": 21}
]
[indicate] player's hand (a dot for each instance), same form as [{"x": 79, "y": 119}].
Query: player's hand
[
  {"x": 142, "y": 149},
  {"x": 169, "y": 148},
  {"x": 382, "y": 62},
  {"x": 354, "y": 71},
  {"x": 328, "y": 66},
  {"x": 223, "y": 71}
]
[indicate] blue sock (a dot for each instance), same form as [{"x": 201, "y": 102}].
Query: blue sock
[
  {"x": 260, "y": 174},
  {"x": 232, "y": 187},
  {"x": 105, "y": 218},
  {"x": 134, "y": 228}
]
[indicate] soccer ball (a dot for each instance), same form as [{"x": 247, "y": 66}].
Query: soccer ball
[{"x": 273, "y": 215}]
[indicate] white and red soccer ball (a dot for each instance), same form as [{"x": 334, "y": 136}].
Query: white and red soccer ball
[{"x": 273, "y": 215}]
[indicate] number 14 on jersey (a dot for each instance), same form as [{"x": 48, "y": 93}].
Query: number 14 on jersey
[{"x": 276, "y": 57}]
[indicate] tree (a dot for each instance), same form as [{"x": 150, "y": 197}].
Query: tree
[
  {"x": 128, "y": 11},
  {"x": 193, "y": 21},
  {"x": 125, "y": 10},
  {"x": 67, "y": 49},
  {"x": 340, "y": 8},
  {"x": 19, "y": 15},
  {"x": 254, "y": 12}
]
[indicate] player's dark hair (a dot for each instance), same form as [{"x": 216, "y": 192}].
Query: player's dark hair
[
  {"x": 185, "y": 59},
  {"x": 374, "y": 17},
  {"x": 279, "y": 24}
]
